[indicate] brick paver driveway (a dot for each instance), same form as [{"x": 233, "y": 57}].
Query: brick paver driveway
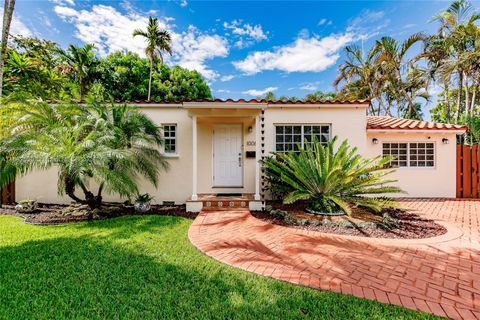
[{"x": 441, "y": 276}]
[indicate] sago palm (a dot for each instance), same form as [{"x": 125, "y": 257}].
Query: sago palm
[
  {"x": 158, "y": 40},
  {"x": 331, "y": 180}
]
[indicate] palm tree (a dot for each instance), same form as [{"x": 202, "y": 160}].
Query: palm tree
[
  {"x": 391, "y": 59},
  {"x": 111, "y": 146},
  {"x": 8, "y": 8},
  {"x": 457, "y": 25},
  {"x": 360, "y": 78},
  {"x": 157, "y": 41},
  {"x": 81, "y": 61},
  {"x": 331, "y": 179}
]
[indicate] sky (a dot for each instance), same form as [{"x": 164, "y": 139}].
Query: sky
[{"x": 242, "y": 48}]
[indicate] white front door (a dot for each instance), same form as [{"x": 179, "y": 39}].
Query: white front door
[{"x": 227, "y": 155}]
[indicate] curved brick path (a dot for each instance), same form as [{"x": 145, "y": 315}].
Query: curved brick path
[{"x": 438, "y": 277}]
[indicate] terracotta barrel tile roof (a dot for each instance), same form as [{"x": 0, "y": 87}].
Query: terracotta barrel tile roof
[
  {"x": 390, "y": 123},
  {"x": 248, "y": 101}
]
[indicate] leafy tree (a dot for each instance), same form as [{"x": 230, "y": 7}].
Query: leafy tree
[
  {"x": 110, "y": 145},
  {"x": 320, "y": 96},
  {"x": 81, "y": 63},
  {"x": 124, "y": 76},
  {"x": 331, "y": 179},
  {"x": 157, "y": 41}
]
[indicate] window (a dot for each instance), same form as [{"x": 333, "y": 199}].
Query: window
[
  {"x": 293, "y": 137},
  {"x": 170, "y": 138},
  {"x": 411, "y": 154}
]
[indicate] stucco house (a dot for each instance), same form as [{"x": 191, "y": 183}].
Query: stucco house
[{"x": 215, "y": 146}]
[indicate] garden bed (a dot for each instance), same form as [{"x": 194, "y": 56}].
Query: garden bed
[
  {"x": 392, "y": 223},
  {"x": 60, "y": 214}
]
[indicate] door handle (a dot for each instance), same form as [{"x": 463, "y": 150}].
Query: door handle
[{"x": 240, "y": 160}]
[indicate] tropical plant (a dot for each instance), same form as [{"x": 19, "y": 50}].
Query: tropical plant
[
  {"x": 111, "y": 146},
  {"x": 8, "y": 8},
  {"x": 331, "y": 180},
  {"x": 360, "y": 78},
  {"x": 157, "y": 41},
  {"x": 80, "y": 63}
]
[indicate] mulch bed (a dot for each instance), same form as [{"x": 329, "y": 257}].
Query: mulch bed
[
  {"x": 362, "y": 223},
  {"x": 60, "y": 214}
]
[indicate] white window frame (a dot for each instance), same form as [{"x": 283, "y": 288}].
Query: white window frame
[
  {"x": 170, "y": 154},
  {"x": 408, "y": 154},
  {"x": 302, "y": 133}
]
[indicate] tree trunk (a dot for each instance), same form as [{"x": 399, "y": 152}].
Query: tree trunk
[
  {"x": 91, "y": 200},
  {"x": 150, "y": 80},
  {"x": 70, "y": 190},
  {"x": 7, "y": 19},
  {"x": 474, "y": 96},
  {"x": 448, "y": 109},
  {"x": 459, "y": 96},
  {"x": 467, "y": 96}
]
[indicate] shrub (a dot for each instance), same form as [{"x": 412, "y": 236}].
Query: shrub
[{"x": 329, "y": 180}]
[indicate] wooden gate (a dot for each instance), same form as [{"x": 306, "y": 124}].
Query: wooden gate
[
  {"x": 468, "y": 167},
  {"x": 7, "y": 194}
]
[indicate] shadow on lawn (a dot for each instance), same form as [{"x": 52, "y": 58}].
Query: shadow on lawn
[{"x": 110, "y": 270}]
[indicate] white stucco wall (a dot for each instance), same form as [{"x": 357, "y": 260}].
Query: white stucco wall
[
  {"x": 438, "y": 181},
  {"x": 347, "y": 122}
]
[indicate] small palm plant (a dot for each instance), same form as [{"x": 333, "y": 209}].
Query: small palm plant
[{"x": 329, "y": 180}]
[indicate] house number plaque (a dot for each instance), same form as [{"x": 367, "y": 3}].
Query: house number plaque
[{"x": 250, "y": 143}]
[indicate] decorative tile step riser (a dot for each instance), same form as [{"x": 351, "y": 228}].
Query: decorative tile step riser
[{"x": 224, "y": 204}]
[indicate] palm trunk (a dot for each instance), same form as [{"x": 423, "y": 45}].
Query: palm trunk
[
  {"x": 459, "y": 96},
  {"x": 474, "y": 96},
  {"x": 448, "y": 109},
  {"x": 150, "y": 80},
  {"x": 467, "y": 96},
  {"x": 7, "y": 19}
]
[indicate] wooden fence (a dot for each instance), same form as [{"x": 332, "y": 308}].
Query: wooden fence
[
  {"x": 7, "y": 194},
  {"x": 468, "y": 168}
]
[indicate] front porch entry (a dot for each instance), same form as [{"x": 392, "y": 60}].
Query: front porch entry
[{"x": 226, "y": 154}]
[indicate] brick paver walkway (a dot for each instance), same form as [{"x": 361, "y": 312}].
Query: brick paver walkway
[{"x": 441, "y": 276}]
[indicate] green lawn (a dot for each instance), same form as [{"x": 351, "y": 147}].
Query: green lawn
[{"x": 144, "y": 267}]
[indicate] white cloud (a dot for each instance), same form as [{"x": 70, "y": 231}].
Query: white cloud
[
  {"x": 256, "y": 92},
  {"x": 245, "y": 33},
  {"x": 303, "y": 55},
  {"x": 227, "y": 77},
  {"x": 368, "y": 24},
  {"x": 183, "y": 3},
  {"x": 18, "y": 27},
  {"x": 192, "y": 48},
  {"x": 64, "y": 2},
  {"x": 325, "y": 21},
  {"x": 110, "y": 30},
  {"x": 255, "y": 32},
  {"x": 309, "y": 87},
  {"x": 223, "y": 91}
]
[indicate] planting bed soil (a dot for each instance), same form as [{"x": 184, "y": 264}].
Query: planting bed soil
[
  {"x": 59, "y": 214},
  {"x": 392, "y": 223}
]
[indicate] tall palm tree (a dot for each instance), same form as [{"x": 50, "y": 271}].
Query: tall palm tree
[
  {"x": 360, "y": 78},
  {"x": 391, "y": 57},
  {"x": 81, "y": 61},
  {"x": 8, "y": 8},
  {"x": 453, "y": 36},
  {"x": 157, "y": 41}
]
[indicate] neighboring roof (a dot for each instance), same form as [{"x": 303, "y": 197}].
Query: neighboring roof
[
  {"x": 253, "y": 101},
  {"x": 390, "y": 123}
]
